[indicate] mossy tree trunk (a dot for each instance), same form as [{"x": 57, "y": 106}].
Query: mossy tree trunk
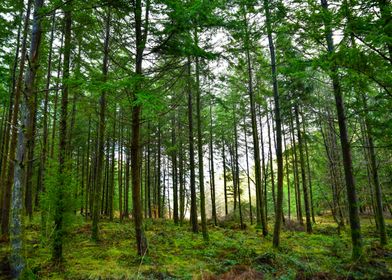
[{"x": 23, "y": 140}]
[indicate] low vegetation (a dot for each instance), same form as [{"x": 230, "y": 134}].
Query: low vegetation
[{"x": 174, "y": 252}]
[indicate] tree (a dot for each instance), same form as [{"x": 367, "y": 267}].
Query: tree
[
  {"x": 344, "y": 139},
  {"x": 200, "y": 145},
  {"x": 13, "y": 140},
  {"x": 101, "y": 130},
  {"x": 17, "y": 261},
  {"x": 195, "y": 226},
  {"x": 140, "y": 42},
  {"x": 63, "y": 142},
  {"x": 279, "y": 154},
  {"x": 261, "y": 219}
]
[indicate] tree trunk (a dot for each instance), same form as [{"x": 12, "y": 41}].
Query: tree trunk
[
  {"x": 127, "y": 180},
  {"x": 17, "y": 261},
  {"x": 136, "y": 125},
  {"x": 308, "y": 169},
  {"x": 236, "y": 168},
  {"x": 224, "y": 175},
  {"x": 263, "y": 190},
  {"x": 5, "y": 141},
  {"x": 287, "y": 178},
  {"x": 174, "y": 171},
  {"x": 101, "y": 133},
  {"x": 30, "y": 127},
  {"x": 181, "y": 179},
  {"x": 45, "y": 135},
  {"x": 303, "y": 172},
  {"x": 120, "y": 167},
  {"x": 345, "y": 143},
  {"x": 88, "y": 169},
  {"x": 261, "y": 219},
  {"x": 248, "y": 175},
  {"x": 60, "y": 207},
  {"x": 54, "y": 123},
  {"x": 159, "y": 183},
  {"x": 296, "y": 175},
  {"x": 194, "y": 222},
  {"x": 212, "y": 172},
  {"x": 376, "y": 181},
  {"x": 8, "y": 180},
  {"x": 279, "y": 156},
  {"x": 200, "y": 147},
  {"x": 112, "y": 167},
  {"x": 149, "y": 171},
  {"x": 271, "y": 162}
]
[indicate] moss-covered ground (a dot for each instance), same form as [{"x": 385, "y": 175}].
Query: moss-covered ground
[{"x": 176, "y": 253}]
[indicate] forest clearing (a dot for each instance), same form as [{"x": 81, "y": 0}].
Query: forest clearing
[{"x": 195, "y": 139}]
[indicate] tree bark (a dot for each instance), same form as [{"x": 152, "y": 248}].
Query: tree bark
[
  {"x": 63, "y": 144},
  {"x": 181, "y": 178},
  {"x": 194, "y": 222},
  {"x": 261, "y": 219},
  {"x": 224, "y": 175},
  {"x": 101, "y": 132},
  {"x": 287, "y": 179},
  {"x": 303, "y": 172},
  {"x": 248, "y": 175},
  {"x": 212, "y": 172},
  {"x": 17, "y": 261},
  {"x": 200, "y": 147},
  {"x": 8, "y": 180},
  {"x": 174, "y": 171},
  {"x": 5, "y": 141},
  {"x": 136, "y": 125},
  {"x": 344, "y": 141},
  {"x": 279, "y": 156},
  {"x": 236, "y": 168},
  {"x": 376, "y": 181},
  {"x": 45, "y": 135},
  {"x": 308, "y": 169},
  {"x": 296, "y": 175}
]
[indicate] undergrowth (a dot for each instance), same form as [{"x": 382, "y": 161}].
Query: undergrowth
[{"x": 175, "y": 252}]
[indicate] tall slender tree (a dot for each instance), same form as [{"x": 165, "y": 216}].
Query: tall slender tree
[
  {"x": 278, "y": 121},
  {"x": 101, "y": 130},
  {"x": 344, "y": 138}
]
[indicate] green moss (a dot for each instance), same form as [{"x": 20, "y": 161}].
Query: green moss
[{"x": 177, "y": 253}]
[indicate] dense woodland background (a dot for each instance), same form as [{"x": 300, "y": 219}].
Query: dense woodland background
[{"x": 147, "y": 121}]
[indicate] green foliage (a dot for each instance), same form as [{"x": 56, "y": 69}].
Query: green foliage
[
  {"x": 54, "y": 197},
  {"x": 176, "y": 253}
]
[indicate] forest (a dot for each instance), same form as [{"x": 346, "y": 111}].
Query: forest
[{"x": 195, "y": 139}]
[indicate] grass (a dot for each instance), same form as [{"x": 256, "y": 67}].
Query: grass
[{"x": 176, "y": 253}]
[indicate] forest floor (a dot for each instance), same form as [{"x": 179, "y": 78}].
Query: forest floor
[{"x": 176, "y": 253}]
